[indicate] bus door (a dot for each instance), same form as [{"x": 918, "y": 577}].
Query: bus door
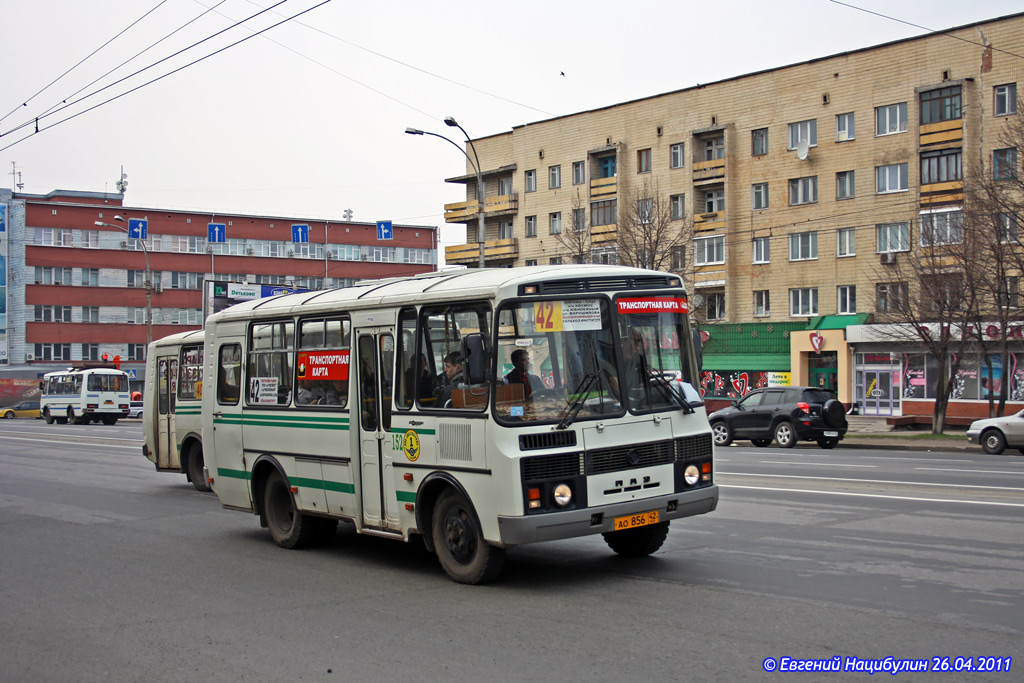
[
  {"x": 167, "y": 456},
  {"x": 375, "y": 364},
  {"x": 228, "y": 467}
]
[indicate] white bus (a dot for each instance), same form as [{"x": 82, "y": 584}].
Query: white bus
[
  {"x": 172, "y": 406},
  {"x": 83, "y": 395},
  {"x": 336, "y": 405}
]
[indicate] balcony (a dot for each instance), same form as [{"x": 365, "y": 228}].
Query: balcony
[
  {"x": 604, "y": 187},
  {"x": 709, "y": 221},
  {"x": 942, "y": 133},
  {"x": 466, "y": 212},
  {"x": 494, "y": 250},
  {"x": 940, "y": 194},
  {"x": 603, "y": 234},
  {"x": 713, "y": 169}
]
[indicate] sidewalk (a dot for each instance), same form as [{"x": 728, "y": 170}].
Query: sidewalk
[{"x": 873, "y": 432}]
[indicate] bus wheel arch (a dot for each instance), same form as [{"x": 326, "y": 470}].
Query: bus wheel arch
[
  {"x": 193, "y": 462},
  {"x": 429, "y": 491},
  {"x": 459, "y": 541}
]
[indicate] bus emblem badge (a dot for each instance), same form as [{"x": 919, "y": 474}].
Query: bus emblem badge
[{"x": 411, "y": 445}]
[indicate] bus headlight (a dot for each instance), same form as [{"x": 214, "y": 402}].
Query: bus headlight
[
  {"x": 691, "y": 475},
  {"x": 562, "y": 495}
]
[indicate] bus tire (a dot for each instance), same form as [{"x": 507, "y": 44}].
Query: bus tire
[
  {"x": 288, "y": 527},
  {"x": 76, "y": 420},
  {"x": 195, "y": 468},
  {"x": 639, "y": 542},
  {"x": 47, "y": 417},
  {"x": 110, "y": 421},
  {"x": 459, "y": 541}
]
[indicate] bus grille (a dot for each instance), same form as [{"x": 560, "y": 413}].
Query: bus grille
[
  {"x": 536, "y": 442},
  {"x": 693, "y": 447},
  {"x": 601, "y": 284},
  {"x": 630, "y": 457},
  {"x": 552, "y": 466}
]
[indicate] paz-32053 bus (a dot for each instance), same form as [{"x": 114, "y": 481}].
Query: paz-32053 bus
[
  {"x": 84, "y": 395},
  {"x": 478, "y": 409}
]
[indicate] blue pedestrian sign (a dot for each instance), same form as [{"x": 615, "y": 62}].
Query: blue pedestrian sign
[
  {"x": 300, "y": 233},
  {"x": 384, "y": 231},
  {"x": 218, "y": 232},
  {"x": 132, "y": 374},
  {"x": 138, "y": 228}
]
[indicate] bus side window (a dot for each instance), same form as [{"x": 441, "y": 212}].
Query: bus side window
[{"x": 229, "y": 374}]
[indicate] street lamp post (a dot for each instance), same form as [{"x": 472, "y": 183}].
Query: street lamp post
[
  {"x": 481, "y": 190},
  {"x": 148, "y": 282}
]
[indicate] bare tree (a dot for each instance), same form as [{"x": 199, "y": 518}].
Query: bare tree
[
  {"x": 576, "y": 241},
  {"x": 649, "y": 236}
]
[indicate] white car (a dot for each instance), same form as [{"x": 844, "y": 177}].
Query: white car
[
  {"x": 135, "y": 410},
  {"x": 996, "y": 434}
]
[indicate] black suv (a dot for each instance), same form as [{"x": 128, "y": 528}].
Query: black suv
[{"x": 785, "y": 414}]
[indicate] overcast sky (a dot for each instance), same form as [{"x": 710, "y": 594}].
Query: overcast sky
[{"x": 308, "y": 118}]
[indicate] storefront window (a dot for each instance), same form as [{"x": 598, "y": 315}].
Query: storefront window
[{"x": 965, "y": 386}]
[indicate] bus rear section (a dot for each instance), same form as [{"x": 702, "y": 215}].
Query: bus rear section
[{"x": 85, "y": 395}]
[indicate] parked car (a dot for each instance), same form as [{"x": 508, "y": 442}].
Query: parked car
[
  {"x": 783, "y": 414},
  {"x": 135, "y": 409},
  {"x": 995, "y": 434},
  {"x": 23, "y": 409}
]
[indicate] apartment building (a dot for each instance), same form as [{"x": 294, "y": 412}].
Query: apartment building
[
  {"x": 76, "y": 279},
  {"x": 799, "y": 185}
]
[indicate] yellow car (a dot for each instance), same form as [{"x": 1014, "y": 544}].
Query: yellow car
[{"x": 23, "y": 409}]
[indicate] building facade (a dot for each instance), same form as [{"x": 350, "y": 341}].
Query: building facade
[
  {"x": 798, "y": 188},
  {"x": 76, "y": 280}
]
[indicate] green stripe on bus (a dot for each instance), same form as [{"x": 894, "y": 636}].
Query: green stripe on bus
[
  {"x": 337, "y": 486},
  {"x": 406, "y": 496},
  {"x": 403, "y": 430},
  {"x": 232, "y": 474},
  {"x": 188, "y": 411}
]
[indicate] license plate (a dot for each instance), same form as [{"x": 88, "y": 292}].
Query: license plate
[
  {"x": 108, "y": 403},
  {"x": 633, "y": 521},
  {"x": 831, "y": 433}
]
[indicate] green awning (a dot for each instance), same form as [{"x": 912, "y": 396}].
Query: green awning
[
  {"x": 752, "y": 362},
  {"x": 837, "y": 322}
]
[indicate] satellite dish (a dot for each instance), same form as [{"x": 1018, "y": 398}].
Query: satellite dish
[
  {"x": 802, "y": 148},
  {"x": 697, "y": 299}
]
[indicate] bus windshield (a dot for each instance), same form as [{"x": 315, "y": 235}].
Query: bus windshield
[{"x": 99, "y": 382}]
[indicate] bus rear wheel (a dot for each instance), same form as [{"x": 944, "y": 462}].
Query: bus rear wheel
[
  {"x": 288, "y": 527},
  {"x": 638, "y": 542},
  {"x": 109, "y": 421},
  {"x": 464, "y": 554},
  {"x": 195, "y": 468},
  {"x": 76, "y": 420},
  {"x": 47, "y": 417}
]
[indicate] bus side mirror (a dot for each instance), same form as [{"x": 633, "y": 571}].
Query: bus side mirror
[{"x": 474, "y": 358}]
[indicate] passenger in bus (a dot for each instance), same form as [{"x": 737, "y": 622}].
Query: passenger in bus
[
  {"x": 520, "y": 373},
  {"x": 451, "y": 376},
  {"x": 425, "y": 387},
  {"x": 334, "y": 392}
]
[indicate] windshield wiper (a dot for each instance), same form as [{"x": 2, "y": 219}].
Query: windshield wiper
[
  {"x": 675, "y": 392},
  {"x": 585, "y": 386}
]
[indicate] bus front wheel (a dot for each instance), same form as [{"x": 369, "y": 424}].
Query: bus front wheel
[
  {"x": 638, "y": 542},
  {"x": 48, "y": 417},
  {"x": 195, "y": 468},
  {"x": 288, "y": 527},
  {"x": 464, "y": 554}
]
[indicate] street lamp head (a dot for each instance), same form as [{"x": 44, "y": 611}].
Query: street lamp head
[
  {"x": 98, "y": 223},
  {"x": 120, "y": 219},
  {"x": 450, "y": 121},
  {"x": 414, "y": 131}
]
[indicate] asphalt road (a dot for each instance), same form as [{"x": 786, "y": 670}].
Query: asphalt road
[{"x": 112, "y": 571}]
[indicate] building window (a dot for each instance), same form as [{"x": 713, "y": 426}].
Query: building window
[
  {"x": 677, "y": 157},
  {"x": 803, "y": 301},
  {"x": 1004, "y": 163},
  {"x": 844, "y": 127},
  {"x": 555, "y": 260},
  {"x": 847, "y": 299},
  {"x": 52, "y": 314},
  {"x": 942, "y": 166},
  {"x": 803, "y": 246},
  {"x": 47, "y": 275},
  {"x": 760, "y": 250},
  {"x": 1005, "y": 99},
  {"x": 892, "y": 237},
  {"x": 941, "y": 104},
  {"x": 90, "y": 239},
  {"x": 135, "y": 316},
  {"x": 890, "y": 296},
  {"x": 846, "y": 242},
  {"x": 803, "y": 130},
  {"x": 90, "y": 351},
  {"x": 645, "y": 211},
  {"x": 714, "y": 148},
  {"x": 579, "y": 173},
  {"x": 603, "y": 212},
  {"x": 759, "y": 196},
  {"x": 844, "y": 185},
  {"x": 504, "y": 186},
  {"x": 53, "y": 351},
  {"x": 709, "y": 250},
  {"x": 762, "y": 303},
  {"x": 1008, "y": 228},
  {"x": 714, "y": 305},
  {"x": 555, "y": 222},
  {"x": 942, "y": 227},
  {"x": 505, "y": 230},
  {"x": 554, "y": 177},
  {"x": 759, "y": 142},
  {"x": 678, "y": 258},
  {"x": 608, "y": 167},
  {"x": 891, "y": 119},
  {"x": 579, "y": 220},
  {"x": 90, "y": 314},
  {"x": 530, "y": 181},
  {"x": 186, "y": 280},
  {"x": 531, "y": 262},
  {"x": 677, "y": 206},
  {"x": 714, "y": 201},
  {"x": 605, "y": 256},
  {"x": 891, "y": 178},
  {"x": 53, "y": 237},
  {"x": 803, "y": 190},
  {"x": 136, "y": 352},
  {"x": 90, "y": 277},
  {"x": 643, "y": 160},
  {"x": 1008, "y": 292},
  {"x": 531, "y": 226}
]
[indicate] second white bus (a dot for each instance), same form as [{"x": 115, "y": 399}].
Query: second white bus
[{"x": 84, "y": 395}]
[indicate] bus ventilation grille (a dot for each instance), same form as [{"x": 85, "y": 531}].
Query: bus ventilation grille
[
  {"x": 603, "y": 284},
  {"x": 537, "y": 442},
  {"x": 630, "y": 457},
  {"x": 693, "y": 447},
  {"x": 552, "y": 466},
  {"x": 454, "y": 442}
]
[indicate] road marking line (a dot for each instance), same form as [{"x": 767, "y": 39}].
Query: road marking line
[
  {"x": 950, "y": 469},
  {"x": 870, "y": 481},
  {"x": 820, "y": 464},
  {"x": 97, "y": 442},
  {"x": 877, "y": 495}
]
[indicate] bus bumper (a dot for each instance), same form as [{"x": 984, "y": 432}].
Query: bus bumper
[{"x": 553, "y": 526}]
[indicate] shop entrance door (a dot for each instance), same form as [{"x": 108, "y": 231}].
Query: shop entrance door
[{"x": 877, "y": 392}]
